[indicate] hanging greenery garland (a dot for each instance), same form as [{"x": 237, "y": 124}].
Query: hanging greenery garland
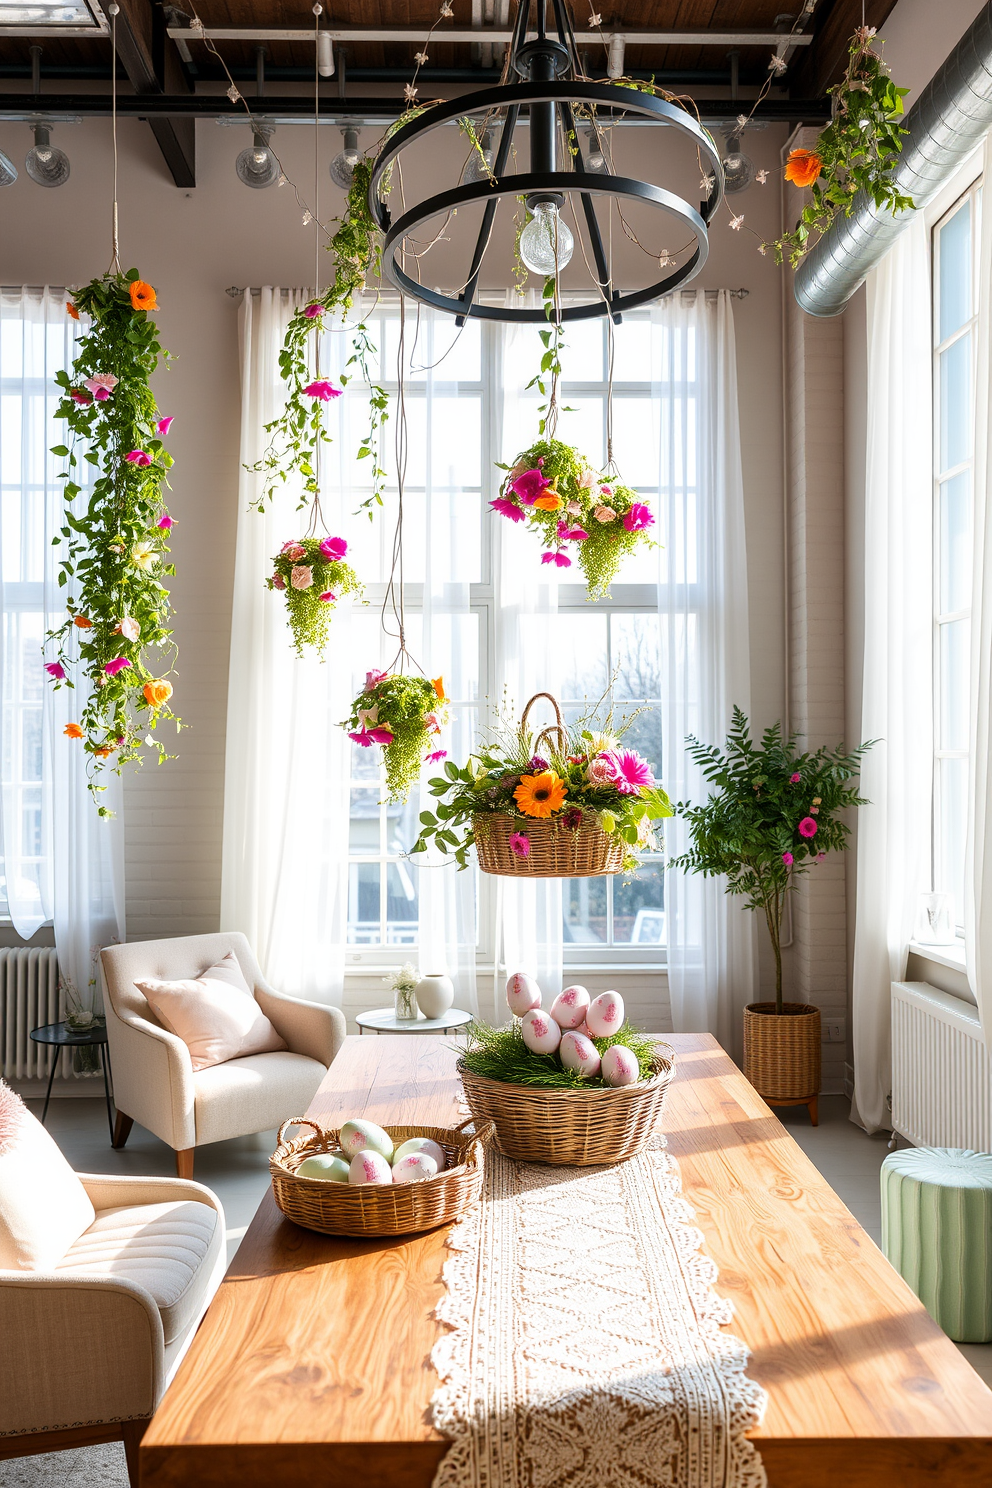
[
  {"x": 312, "y": 575},
  {"x": 115, "y": 547},
  {"x": 404, "y": 715},
  {"x": 858, "y": 151}
]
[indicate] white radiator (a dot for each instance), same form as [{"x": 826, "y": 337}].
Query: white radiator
[
  {"x": 941, "y": 1070},
  {"x": 29, "y": 998}
]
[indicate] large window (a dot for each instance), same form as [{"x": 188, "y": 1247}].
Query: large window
[{"x": 955, "y": 252}]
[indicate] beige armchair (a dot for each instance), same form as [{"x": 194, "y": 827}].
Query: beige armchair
[
  {"x": 90, "y": 1344},
  {"x": 154, "y": 1080}
]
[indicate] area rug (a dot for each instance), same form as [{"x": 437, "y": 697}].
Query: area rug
[{"x": 588, "y": 1347}]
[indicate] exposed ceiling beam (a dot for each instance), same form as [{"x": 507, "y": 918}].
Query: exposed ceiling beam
[
  {"x": 823, "y": 64},
  {"x": 488, "y": 34},
  {"x": 136, "y": 47}
]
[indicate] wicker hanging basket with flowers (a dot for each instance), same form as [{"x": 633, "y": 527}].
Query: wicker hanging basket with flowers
[{"x": 570, "y": 803}]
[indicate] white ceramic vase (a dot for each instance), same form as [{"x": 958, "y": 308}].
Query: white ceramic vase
[{"x": 435, "y": 994}]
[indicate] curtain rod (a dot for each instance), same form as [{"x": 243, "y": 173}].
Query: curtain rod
[{"x": 235, "y": 291}]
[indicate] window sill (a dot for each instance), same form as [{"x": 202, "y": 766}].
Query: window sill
[
  {"x": 572, "y": 969},
  {"x": 952, "y": 956}
]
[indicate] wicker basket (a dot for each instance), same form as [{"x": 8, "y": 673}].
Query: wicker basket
[
  {"x": 782, "y": 1053},
  {"x": 555, "y": 851},
  {"x": 373, "y": 1209},
  {"x": 573, "y": 1128}
]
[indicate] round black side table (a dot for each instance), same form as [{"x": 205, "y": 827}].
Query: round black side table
[{"x": 60, "y": 1036}]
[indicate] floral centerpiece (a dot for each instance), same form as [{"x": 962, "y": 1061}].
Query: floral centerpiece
[
  {"x": 586, "y": 800},
  {"x": 574, "y": 509},
  {"x": 312, "y": 575},
  {"x": 116, "y": 545},
  {"x": 404, "y": 715}
]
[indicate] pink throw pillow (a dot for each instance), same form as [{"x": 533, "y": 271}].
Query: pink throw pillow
[{"x": 214, "y": 1014}]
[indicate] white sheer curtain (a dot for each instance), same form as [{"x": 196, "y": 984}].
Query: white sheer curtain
[
  {"x": 61, "y": 861},
  {"x": 704, "y": 637},
  {"x": 284, "y": 878},
  {"x": 893, "y": 839}
]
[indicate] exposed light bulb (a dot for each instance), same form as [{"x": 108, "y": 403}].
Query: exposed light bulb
[
  {"x": 44, "y": 163},
  {"x": 596, "y": 161},
  {"x": 256, "y": 165},
  {"x": 342, "y": 167},
  {"x": 8, "y": 170},
  {"x": 475, "y": 169},
  {"x": 546, "y": 243},
  {"x": 738, "y": 168}
]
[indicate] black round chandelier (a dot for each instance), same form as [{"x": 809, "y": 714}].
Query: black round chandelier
[{"x": 565, "y": 166}]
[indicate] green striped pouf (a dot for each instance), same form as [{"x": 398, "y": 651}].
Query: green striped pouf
[{"x": 937, "y": 1232}]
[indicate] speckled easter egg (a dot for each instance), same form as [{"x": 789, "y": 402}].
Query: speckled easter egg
[
  {"x": 541, "y": 1033},
  {"x": 422, "y": 1144},
  {"x": 369, "y": 1167},
  {"x": 620, "y": 1066},
  {"x": 579, "y": 1053},
  {"x": 414, "y": 1168},
  {"x": 522, "y": 993},
  {"x": 605, "y": 1015},
  {"x": 326, "y": 1165},
  {"x": 569, "y": 1007},
  {"x": 358, "y": 1136}
]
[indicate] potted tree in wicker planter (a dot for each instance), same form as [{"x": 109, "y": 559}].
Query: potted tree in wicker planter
[{"x": 773, "y": 815}]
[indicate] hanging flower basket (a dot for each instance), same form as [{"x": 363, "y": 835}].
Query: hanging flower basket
[
  {"x": 312, "y": 576},
  {"x": 404, "y": 716},
  {"x": 570, "y": 803}
]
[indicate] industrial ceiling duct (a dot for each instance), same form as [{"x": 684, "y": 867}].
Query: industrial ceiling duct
[{"x": 951, "y": 117}]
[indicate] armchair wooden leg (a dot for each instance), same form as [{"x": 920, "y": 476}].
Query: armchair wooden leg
[
  {"x": 122, "y": 1129},
  {"x": 132, "y": 1432},
  {"x": 184, "y": 1162}
]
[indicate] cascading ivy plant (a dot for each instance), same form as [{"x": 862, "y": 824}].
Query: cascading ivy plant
[
  {"x": 115, "y": 546},
  {"x": 857, "y": 151},
  {"x": 404, "y": 715}
]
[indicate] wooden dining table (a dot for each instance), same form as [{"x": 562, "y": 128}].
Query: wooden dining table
[{"x": 312, "y": 1364}]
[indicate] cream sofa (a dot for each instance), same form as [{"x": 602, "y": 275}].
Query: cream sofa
[
  {"x": 154, "y": 1080},
  {"x": 90, "y": 1342}
]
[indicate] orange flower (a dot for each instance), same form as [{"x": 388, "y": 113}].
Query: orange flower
[
  {"x": 438, "y": 685},
  {"x": 102, "y": 753},
  {"x": 143, "y": 296},
  {"x": 540, "y": 795},
  {"x": 803, "y": 167},
  {"x": 73, "y": 731},
  {"x": 550, "y": 501},
  {"x": 158, "y": 692},
  {"x": 72, "y": 309},
  {"x": 82, "y": 622}
]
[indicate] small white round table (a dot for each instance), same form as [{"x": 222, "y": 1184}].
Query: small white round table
[{"x": 384, "y": 1020}]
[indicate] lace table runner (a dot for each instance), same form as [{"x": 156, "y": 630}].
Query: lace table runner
[{"x": 586, "y": 1349}]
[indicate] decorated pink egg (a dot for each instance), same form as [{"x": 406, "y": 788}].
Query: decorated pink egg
[
  {"x": 522, "y": 993},
  {"x": 569, "y": 1007},
  {"x": 605, "y": 1015},
  {"x": 414, "y": 1168},
  {"x": 620, "y": 1066},
  {"x": 370, "y": 1167},
  {"x": 579, "y": 1053},
  {"x": 540, "y": 1031}
]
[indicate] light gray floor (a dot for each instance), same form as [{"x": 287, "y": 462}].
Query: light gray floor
[{"x": 237, "y": 1171}]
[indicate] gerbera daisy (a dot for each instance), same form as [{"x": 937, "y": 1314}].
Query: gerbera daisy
[
  {"x": 540, "y": 795},
  {"x": 633, "y": 772}
]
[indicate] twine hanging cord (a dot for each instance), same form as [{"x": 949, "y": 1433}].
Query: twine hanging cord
[{"x": 115, "y": 261}]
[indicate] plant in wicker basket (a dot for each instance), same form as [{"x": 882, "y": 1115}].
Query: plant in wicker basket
[
  {"x": 312, "y": 575},
  {"x": 573, "y": 508},
  {"x": 404, "y": 715},
  {"x": 572, "y": 803}
]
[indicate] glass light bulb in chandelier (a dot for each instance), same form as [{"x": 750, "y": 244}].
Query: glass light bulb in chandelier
[
  {"x": 342, "y": 167},
  {"x": 8, "y": 170},
  {"x": 738, "y": 168},
  {"x": 596, "y": 160},
  {"x": 257, "y": 166},
  {"x": 479, "y": 165},
  {"x": 44, "y": 162},
  {"x": 546, "y": 243}
]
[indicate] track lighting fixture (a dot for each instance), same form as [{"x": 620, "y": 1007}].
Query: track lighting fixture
[{"x": 8, "y": 170}]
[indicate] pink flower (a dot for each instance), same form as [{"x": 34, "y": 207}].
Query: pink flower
[
  {"x": 333, "y": 548},
  {"x": 78, "y": 397},
  {"x": 373, "y": 678},
  {"x": 364, "y": 738},
  {"x": 439, "y": 754},
  {"x": 606, "y": 490},
  {"x": 562, "y": 559},
  {"x": 325, "y": 391},
  {"x": 165, "y": 524},
  {"x": 807, "y": 827},
  {"x": 431, "y": 724},
  {"x": 574, "y": 508},
  {"x": 507, "y": 508},
  {"x": 301, "y": 576},
  {"x": 278, "y": 582},
  {"x": 138, "y": 457},
  {"x": 312, "y": 310},
  {"x": 602, "y": 770},
  {"x": 575, "y": 534},
  {"x": 632, "y": 772},
  {"x": 101, "y": 383},
  {"x": 820, "y": 857},
  {"x": 587, "y": 480},
  {"x": 638, "y": 517},
  {"x": 54, "y": 669},
  {"x": 130, "y": 629},
  {"x": 101, "y": 395},
  {"x": 604, "y": 514},
  {"x": 294, "y": 551},
  {"x": 381, "y": 735},
  {"x": 117, "y": 665},
  {"x": 529, "y": 485},
  {"x": 520, "y": 844},
  {"x": 795, "y": 779},
  {"x": 327, "y": 597},
  {"x": 165, "y": 424},
  {"x": 788, "y": 859}
]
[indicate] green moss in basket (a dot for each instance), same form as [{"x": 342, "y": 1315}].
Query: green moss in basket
[{"x": 501, "y": 1054}]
